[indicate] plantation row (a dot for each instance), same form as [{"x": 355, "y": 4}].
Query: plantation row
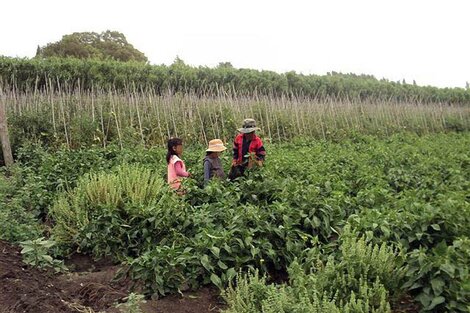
[
  {"x": 51, "y": 74},
  {"x": 77, "y": 119},
  {"x": 353, "y": 224}
]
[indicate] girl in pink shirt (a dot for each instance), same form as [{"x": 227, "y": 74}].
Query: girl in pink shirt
[{"x": 176, "y": 167}]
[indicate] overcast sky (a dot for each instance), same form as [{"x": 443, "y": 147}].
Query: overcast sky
[{"x": 423, "y": 40}]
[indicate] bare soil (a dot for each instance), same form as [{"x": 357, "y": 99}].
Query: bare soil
[{"x": 89, "y": 287}]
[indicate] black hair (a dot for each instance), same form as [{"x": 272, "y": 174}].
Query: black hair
[{"x": 173, "y": 142}]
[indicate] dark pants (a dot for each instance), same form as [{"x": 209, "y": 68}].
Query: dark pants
[{"x": 236, "y": 171}]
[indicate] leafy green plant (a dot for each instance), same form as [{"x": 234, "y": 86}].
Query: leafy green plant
[
  {"x": 132, "y": 304},
  {"x": 361, "y": 280},
  {"x": 36, "y": 253},
  {"x": 117, "y": 213},
  {"x": 407, "y": 191},
  {"x": 17, "y": 223},
  {"x": 441, "y": 277}
]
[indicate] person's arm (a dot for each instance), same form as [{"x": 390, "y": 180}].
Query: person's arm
[
  {"x": 260, "y": 152},
  {"x": 179, "y": 170},
  {"x": 207, "y": 172}
]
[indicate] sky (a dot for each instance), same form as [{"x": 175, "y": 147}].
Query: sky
[{"x": 423, "y": 40}]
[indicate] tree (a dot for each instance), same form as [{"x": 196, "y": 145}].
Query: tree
[
  {"x": 107, "y": 45},
  {"x": 225, "y": 65}
]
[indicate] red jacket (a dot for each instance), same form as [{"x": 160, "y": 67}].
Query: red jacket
[{"x": 256, "y": 146}]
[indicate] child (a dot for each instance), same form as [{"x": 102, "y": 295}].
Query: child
[
  {"x": 212, "y": 164},
  {"x": 176, "y": 167}
]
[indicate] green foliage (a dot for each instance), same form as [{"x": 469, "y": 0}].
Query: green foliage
[
  {"x": 356, "y": 282},
  {"x": 58, "y": 111},
  {"x": 43, "y": 174},
  {"x": 31, "y": 74},
  {"x": 132, "y": 304},
  {"x": 441, "y": 276},
  {"x": 91, "y": 45},
  {"x": 406, "y": 190},
  {"x": 117, "y": 213},
  {"x": 16, "y": 222},
  {"x": 36, "y": 253}
]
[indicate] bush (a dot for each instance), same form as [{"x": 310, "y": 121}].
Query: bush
[
  {"x": 359, "y": 280},
  {"x": 117, "y": 213},
  {"x": 17, "y": 223},
  {"x": 440, "y": 277}
]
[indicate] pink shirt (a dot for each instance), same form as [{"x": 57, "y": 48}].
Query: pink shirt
[
  {"x": 176, "y": 170},
  {"x": 179, "y": 168}
]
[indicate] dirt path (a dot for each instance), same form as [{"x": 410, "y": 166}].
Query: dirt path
[{"x": 87, "y": 288}]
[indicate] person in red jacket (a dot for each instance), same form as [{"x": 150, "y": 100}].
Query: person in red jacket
[{"x": 248, "y": 149}]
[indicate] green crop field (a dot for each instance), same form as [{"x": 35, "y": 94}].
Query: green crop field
[
  {"x": 362, "y": 205},
  {"x": 353, "y": 224}
]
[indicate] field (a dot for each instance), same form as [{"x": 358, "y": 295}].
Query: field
[
  {"x": 362, "y": 205},
  {"x": 349, "y": 222}
]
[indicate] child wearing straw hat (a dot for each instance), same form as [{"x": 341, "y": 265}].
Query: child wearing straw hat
[{"x": 212, "y": 164}]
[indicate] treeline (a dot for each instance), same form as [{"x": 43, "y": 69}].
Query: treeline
[{"x": 73, "y": 74}]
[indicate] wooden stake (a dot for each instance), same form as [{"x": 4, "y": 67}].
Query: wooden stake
[{"x": 6, "y": 147}]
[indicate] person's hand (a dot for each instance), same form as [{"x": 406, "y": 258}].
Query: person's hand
[{"x": 234, "y": 162}]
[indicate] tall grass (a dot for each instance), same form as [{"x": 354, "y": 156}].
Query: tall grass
[
  {"x": 138, "y": 116},
  {"x": 130, "y": 190}
]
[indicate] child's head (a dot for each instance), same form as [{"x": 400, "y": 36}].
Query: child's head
[
  {"x": 175, "y": 147},
  {"x": 216, "y": 146}
]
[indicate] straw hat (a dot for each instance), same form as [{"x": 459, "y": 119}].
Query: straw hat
[
  {"x": 216, "y": 145},
  {"x": 249, "y": 126}
]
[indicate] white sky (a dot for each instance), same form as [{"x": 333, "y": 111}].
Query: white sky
[{"x": 424, "y": 40}]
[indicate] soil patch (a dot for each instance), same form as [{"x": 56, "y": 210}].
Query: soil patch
[
  {"x": 204, "y": 300},
  {"x": 23, "y": 289},
  {"x": 89, "y": 287}
]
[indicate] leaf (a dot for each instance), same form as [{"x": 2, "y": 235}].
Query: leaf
[
  {"x": 213, "y": 237},
  {"x": 437, "y": 284},
  {"x": 424, "y": 298},
  {"x": 215, "y": 251},
  {"x": 448, "y": 268},
  {"x": 205, "y": 262},
  {"x": 27, "y": 249},
  {"x": 48, "y": 244},
  {"x": 216, "y": 281},
  {"x": 231, "y": 273},
  {"x": 435, "y": 301},
  {"x": 248, "y": 240},
  {"x": 385, "y": 231},
  {"x": 48, "y": 258},
  {"x": 222, "y": 265},
  {"x": 227, "y": 248}
]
